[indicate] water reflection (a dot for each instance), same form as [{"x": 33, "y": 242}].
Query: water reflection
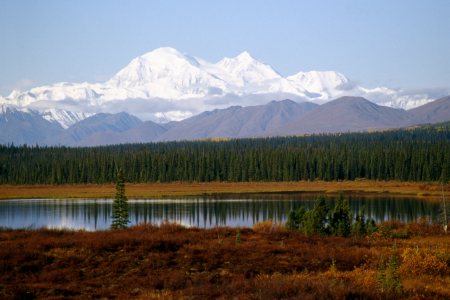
[{"x": 204, "y": 212}]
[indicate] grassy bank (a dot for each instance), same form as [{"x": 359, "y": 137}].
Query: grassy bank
[
  {"x": 266, "y": 262},
  {"x": 157, "y": 190}
]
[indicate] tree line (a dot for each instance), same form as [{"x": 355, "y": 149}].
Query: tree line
[{"x": 421, "y": 154}]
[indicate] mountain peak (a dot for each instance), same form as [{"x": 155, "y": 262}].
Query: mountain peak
[
  {"x": 352, "y": 101},
  {"x": 242, "y": 59},
  {"x": 319, "y": 81},
  {"x": 165, "y": 56},
  {"x": 330, "y": 76},
  {"x": 244, "y": 56},
  {"x": 163, "y": 52},
  {"x": 164, "y": 63},
  {"x": 247, "y": 70}
]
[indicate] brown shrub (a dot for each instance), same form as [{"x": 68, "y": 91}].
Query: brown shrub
[
  {"x": 268, "y": 227},
  {"x": 170, "y": 261},
  {"x": 417, "y": 261}
]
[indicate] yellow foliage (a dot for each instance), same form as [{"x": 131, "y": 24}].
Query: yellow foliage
[
  {"x": 418, "y": 261},
  {"x": 155, "y": 294},
  {"x": 364, "y": 277},
  {"x": 267, "y": 226}
]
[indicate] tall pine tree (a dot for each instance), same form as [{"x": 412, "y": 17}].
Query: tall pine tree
[{"x": 120, "y": 205}]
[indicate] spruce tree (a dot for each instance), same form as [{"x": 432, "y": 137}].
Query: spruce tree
[
  {"x": 341, "y": 218},
  {"x": 359, "y": 227},
  {"x": 120, "y": 205},
  {"x": 316, "y": 219},
  {"x": 296, "y": 219}
]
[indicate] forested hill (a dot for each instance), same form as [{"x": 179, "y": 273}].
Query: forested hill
[{"x": 420, "y": 154}]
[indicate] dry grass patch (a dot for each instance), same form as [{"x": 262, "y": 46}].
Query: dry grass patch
[{"x": 178, "y": 189}]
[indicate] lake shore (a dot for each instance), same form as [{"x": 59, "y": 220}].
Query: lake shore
[{"x": 184, "y": 189}]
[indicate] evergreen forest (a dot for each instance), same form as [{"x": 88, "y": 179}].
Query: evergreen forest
[{"x": 419, "y": 154}]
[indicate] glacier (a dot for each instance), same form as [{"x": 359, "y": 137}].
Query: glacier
[{"x": 166, "y": 85}]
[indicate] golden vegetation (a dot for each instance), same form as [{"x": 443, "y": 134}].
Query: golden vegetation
[
  {"x": 268, "y": 262},
  {"x": 153, "y": 190}
]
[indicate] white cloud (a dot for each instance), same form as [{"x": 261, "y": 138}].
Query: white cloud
[{"x": 174, "y": 115}]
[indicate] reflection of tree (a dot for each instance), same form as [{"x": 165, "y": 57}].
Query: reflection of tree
[
  {"x": 120, "y": 205},
  {"x": 206, "y": 212},
  {"x": 444, "y": 213},
  {"x": 244, "y": 210}
]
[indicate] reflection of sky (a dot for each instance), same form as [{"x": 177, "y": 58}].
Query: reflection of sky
[{"x": 235, "y": 211}]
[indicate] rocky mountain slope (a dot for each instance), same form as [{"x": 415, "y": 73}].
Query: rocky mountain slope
[{"x": 276, "y": 118}]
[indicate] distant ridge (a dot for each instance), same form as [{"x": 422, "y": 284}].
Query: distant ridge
[
  {"x": 143, "y": 133},
  {"x": 433, "y": 112},
  {"x": 347, "y": 114},
  {"x": 276, "y": 118},
  {"x": 96, "y": 130},
  {"x": 238, "y": 121}
]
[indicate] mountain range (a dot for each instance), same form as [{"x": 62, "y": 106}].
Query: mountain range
[
  {"x": 276, "y": 118},
  {"x": 166, "y": 85},
  {"x": 166, "y": 95}
]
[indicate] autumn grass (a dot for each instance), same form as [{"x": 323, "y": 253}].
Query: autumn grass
[
  {"x": 179, "y": 189},
  {"x": 173, "y": 262}
]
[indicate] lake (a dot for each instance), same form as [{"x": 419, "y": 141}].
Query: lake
[{"x": 204, "y": 212}]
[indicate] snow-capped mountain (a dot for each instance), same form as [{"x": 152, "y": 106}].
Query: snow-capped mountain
[
  {"x": 163, "y": 73},
  {"x": 166, "y": 84},
  {"x": 25, "y": 126},
  {"x": 63, "y": 117},
  {"x": 325, "y": 82},
  {"x": 243, "y": 70}
]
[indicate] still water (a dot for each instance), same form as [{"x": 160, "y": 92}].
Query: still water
[{"x": 203, "y": 212}]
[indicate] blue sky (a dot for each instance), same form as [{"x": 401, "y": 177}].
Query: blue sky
[{"x": 402, "y": 43}]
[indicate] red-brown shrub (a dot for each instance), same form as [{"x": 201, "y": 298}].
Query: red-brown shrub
[{"x": 172, "y": 261}]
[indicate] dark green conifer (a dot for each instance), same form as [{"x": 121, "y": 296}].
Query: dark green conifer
[
  {"x": 120, "y": 205},
  {"x": 341, "y": 219},
  {"x": 316, "y": 218}
]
